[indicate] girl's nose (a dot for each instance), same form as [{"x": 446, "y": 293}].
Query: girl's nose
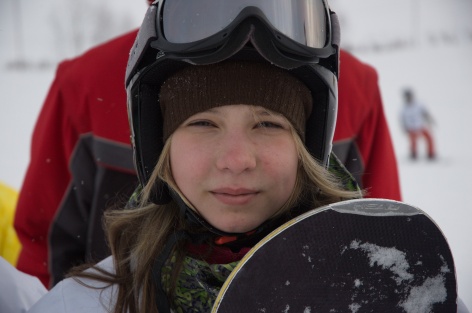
[{"x": 236, "y": 154}]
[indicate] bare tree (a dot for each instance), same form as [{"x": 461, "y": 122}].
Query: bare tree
[{"x": 20, "y": 60}]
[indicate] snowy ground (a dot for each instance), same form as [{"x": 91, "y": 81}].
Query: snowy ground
[{"x": 436, "y": 64}]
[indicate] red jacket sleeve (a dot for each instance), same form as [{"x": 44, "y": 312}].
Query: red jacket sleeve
[
  {"x": 362, "y": 139},
  {"x": 46, "y": 180},
  {"x": 80, "y": 150}
]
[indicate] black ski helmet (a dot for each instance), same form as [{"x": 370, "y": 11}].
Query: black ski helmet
[{"x": 253, "y": 33}]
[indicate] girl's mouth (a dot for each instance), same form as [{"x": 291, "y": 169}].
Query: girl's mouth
[{"x": 234, "y": 196}]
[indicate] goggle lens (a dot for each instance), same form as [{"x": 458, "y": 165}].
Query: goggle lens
[{"x": 186, "y": 21}]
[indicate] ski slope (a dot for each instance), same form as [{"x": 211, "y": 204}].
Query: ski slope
[{"x": 422, "y": 44}]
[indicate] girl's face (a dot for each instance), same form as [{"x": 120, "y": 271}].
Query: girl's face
[{"x": 236, "y": 164}]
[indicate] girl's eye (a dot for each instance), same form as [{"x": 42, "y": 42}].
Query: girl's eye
[
  {"x": 201, "y": 123},
  {"x": 267, "y": 124}
]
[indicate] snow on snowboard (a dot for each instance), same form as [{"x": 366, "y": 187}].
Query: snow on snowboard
[{"x": 368, "y": 255}]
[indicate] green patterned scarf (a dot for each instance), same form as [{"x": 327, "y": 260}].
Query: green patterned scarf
[{"x": 198, "y": 285}]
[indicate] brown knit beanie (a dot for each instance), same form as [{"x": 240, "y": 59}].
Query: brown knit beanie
[{"x": 199, "y": 88}]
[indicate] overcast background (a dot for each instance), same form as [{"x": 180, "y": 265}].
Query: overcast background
[{"x": 422, "y": 44}]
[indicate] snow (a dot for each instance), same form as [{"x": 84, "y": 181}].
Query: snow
[
  {"x": 418, "y": 298},
  {"x": 354, "y": 307},
  {"x": 422, "y": 298},
  {"x": 422, "y": 44},
  {"x": 387, "y": 258}
]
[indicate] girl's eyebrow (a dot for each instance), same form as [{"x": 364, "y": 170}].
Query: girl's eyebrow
[
  {"x": 264, "y": 112},
  {"x": 211, "y": 110},
  {"x": 256, "y": 111}
]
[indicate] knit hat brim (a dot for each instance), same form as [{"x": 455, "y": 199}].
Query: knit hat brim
[{"x": 199, "y": 88}]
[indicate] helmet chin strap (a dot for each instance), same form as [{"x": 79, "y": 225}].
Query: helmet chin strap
[
  {"x": 194, "y": 218},
  {"x": 234, "y": 241}
]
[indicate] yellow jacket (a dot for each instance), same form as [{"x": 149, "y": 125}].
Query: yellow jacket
[{"x": 9, "y": 244}]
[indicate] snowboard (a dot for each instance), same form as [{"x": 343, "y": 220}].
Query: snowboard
[{"x": 366, "y": 255}]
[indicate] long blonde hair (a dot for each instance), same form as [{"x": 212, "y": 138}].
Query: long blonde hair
[{"x": 137, "y": 236}]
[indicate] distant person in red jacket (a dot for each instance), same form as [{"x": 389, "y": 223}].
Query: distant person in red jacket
[
  {"x": 416, "y": 122},
  {"x": 81, "y": 140}
]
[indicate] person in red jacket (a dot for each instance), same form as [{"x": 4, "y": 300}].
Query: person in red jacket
[
  {"x": 362, "y": 138},
  {"x": 81, "y": 158}
]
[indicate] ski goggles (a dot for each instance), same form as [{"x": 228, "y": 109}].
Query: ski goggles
[
  {"x": 290, "y": 32},
  {"x": 188, "y": 21},
  {"x": 195, "y": 25}
]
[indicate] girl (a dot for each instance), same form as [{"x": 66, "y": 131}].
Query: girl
[{"x": 232, "y": 138}]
